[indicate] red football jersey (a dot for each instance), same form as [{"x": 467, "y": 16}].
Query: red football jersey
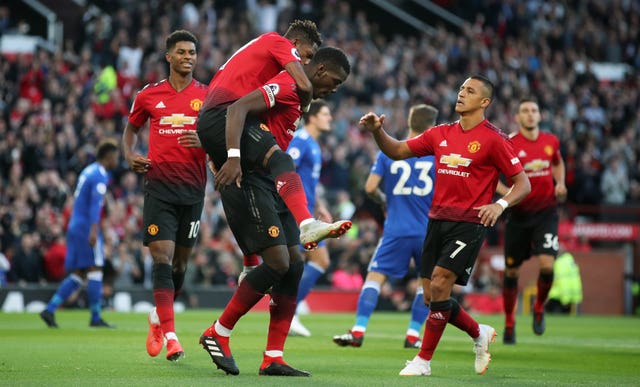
[
  {"x": 537, "y": 158},
  {"x": 282, "y": 119},
  {"x": 249, "y": 68},
  {"x": 468, "y": 164},
  {"x": 177, "y": 174}
]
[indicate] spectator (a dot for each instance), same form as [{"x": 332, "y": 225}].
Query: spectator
[
  {"x": 347, "y": 276},
  {"x": 615, "y": 182},
  {"x": 26, "y": 264}
]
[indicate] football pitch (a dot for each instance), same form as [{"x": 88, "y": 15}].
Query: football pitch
[{"x": 582, "y": 350}]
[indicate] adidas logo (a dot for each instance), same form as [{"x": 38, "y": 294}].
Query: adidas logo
[
  {"x": 279, "y": 185},
  {"x": 522, "y": 154},
  {"x": 160, "y": 105},
  {"x": 212, "y": 348},
  {"x": 443, "y": 143},
  {"x": 436, "y": 316}
]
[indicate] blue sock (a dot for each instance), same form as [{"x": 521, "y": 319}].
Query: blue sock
[
  {"x": 309, "y": 278},
  {"x": 66, "y": 288},
  {"x": 94, "y": 293},
  {"x": 419, "y": 312},
  {"x": 367, "y": 303}
]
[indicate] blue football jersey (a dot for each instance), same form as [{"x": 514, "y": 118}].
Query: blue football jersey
[
  {"x": 306, "y": 154},
  {"x": 408, "y": 185},
  {"x": 89, "y": 198}
]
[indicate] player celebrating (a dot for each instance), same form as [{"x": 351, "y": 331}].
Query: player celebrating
[
  {"x": 258, "y": 217},
  {"x": 408, "y": 191},
  {"x": 175, "y": 177},
  {"x": 532, "y": 225},
  {"x": 85, "y": 247},
  {"x": 306, "y": 154},
  {"x": 469, "y": 155},
  {"x": 248, "y": 69}
]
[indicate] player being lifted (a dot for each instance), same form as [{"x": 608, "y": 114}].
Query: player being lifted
[
  {"x": 248, "y": 69},
  {"x": 85, "y": 247},
  {"x": 175, "y": 178},
  {"x": 532, "y": 226},
  {"x": 264, "y": 121},
  {"x": 408, "y": 191}
]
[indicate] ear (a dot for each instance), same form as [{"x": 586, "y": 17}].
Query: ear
[
  {"x": 485, "y": 102},
  {"x": 167, "y": 56},
  {"x": 321, "y": 70}
]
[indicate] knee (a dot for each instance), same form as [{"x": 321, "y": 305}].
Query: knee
[
  {"x": 440, "y": 288},
  {"x": 280, "y": 162},
  {"x": 160, "y": 256},
  {"x": 179, "y": 266}
]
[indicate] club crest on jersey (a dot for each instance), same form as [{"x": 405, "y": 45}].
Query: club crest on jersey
[
  {"x": 548, "y": 150},
  {"x": 152, "y": 229},
  {"x": 454, "y": 159},
  {"x": 265, "y": 128},
  {"x": 473, "y": 146},
  {"x": 273, "y": 231},
  {"x": 177, "y": 120},
  {"x": 196, "y": 104}
]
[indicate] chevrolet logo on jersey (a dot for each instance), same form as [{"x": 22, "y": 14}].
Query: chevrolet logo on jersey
[
  {"x": 454, "y": 159},
  {"x": 536, "y": 165},
  {"x": 177, "y": 120}
]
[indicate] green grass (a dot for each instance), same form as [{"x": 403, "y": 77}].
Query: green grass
[{"x": 582, "y": 350}]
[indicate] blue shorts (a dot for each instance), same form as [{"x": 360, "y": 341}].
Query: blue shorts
[
  {"x": 393, "y": 255},
  {"x": 80, "y": 255}
]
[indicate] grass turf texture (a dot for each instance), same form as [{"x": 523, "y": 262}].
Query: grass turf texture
[{"x": 582, "y": 350}]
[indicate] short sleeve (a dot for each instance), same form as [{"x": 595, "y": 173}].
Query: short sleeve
[
  {"x": 378, "y": 166},
  {"x": 138, "y": 114},
  {"x": 422, "y": 145},
  {"x": 296, "y": 150},
  {"x": 505, "y": 159},
  {"x": 283, "y": 50},
  {"x": 557, "y": 156},
  {"x": 280, "y": 89}
]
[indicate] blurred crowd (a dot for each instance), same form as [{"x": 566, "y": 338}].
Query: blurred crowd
[{"x": 56, "y": 106}]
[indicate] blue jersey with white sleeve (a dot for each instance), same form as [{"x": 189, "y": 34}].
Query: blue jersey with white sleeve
[
  {"x": 89, "y": 198},
  {"x": 408, "y": 186},
  {"x": 306, "y": 154}
]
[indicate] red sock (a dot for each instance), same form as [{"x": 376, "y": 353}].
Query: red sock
[
  {"x": 460, "y": 319},
  {"x": 242, "y": 301},
  {"x": 290, "y": 189},
  {"x": 545, "y": 280},
  {"x": 282, "y": 310},
  {"x": 436, "y": 322},
  {"x": 250, "y": 260},
  {"x": 510, "y": 299},
  {"x": 164, "y": 308}
]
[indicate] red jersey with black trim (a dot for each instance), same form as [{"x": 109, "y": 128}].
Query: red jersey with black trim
[
  {"x": 468, "y": 164},
  {"x": 537, "y": 158},
  {"x": 280, "y": 95},
  {"x": 249, "y": 68},
  {"x": 177, "y": 174}
]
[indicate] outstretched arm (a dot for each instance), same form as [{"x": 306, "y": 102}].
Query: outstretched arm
[{"x": 396, "y": 150}]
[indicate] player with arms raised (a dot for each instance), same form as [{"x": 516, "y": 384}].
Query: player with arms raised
[
  {"x": 469, "y": 154},
  {"x": 248, "y": 69},
  {"x": 532, "y": 225},
  {"x": 175, "y": 178}
]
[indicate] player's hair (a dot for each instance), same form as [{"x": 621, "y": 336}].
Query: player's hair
[
  {"x": 422, "y": 117},
  {"x": 105, "y": 147},
  {"x": 528, "y": 99},
  {"x": 314, "y": 108},
  {"x": 180, "y": 36},
  {"x": 333, "y": 58},
  {"x": 305, "y": 30},
  {"x": 486, "y": 82}
]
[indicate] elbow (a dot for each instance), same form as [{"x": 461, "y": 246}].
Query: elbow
[{"x": 305, "y": 86}]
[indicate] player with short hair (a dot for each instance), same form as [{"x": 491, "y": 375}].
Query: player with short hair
[
  {"x": 408, "y": 191},
  {"x": 85, "y": 245},
  {"x": 248, "y": 69},
  {"x": 470, "y": 154},
  {"x": 307, "y": 156},
  {"x": 175, "y": 178},
  {"x": 531, "y": 227},
  {"x": 257, "y": 215}
]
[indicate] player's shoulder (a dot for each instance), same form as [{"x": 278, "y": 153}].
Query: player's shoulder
[
  {"x": 152, "y": 88},
  {"x": 302, "y": 135},
  {"x": 548, "y": 136},
  {"x": 491, "y": 128},
  {"x": 273, "y": 37},
  {"x": 199, "y": 85}
]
